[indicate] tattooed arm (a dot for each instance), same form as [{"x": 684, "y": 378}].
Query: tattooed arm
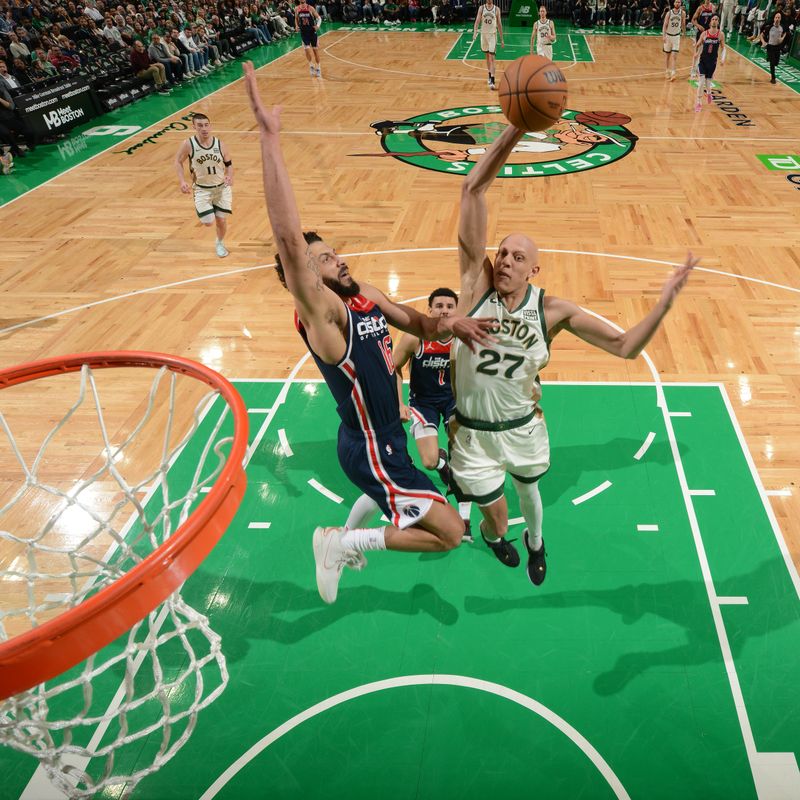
[{"x": 320, "y": 310}]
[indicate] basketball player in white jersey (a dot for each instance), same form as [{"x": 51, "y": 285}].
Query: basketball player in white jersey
[
  {"x": 674, "y": 27},
  {"x": 488, "y": 17},
  {"x": 498, "y": 427},
  {"x": 543, "y": 36},
  {"x": 212, "y": 172}
]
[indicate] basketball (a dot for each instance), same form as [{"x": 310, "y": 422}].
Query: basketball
[
  {"x": 533, "y": 93},
  {"x": 602, "y": 118}
]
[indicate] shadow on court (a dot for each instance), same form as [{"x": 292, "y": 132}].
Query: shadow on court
[
  {"x": 568, "y": 462},
  {"x": 683, "y": 603},
  {"x": 269, "y": 610}
]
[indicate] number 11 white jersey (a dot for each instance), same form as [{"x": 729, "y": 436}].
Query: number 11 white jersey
[{"x": 495, "y": 383}]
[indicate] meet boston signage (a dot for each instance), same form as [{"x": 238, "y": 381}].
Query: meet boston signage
[{"x": 57, "y": 109}]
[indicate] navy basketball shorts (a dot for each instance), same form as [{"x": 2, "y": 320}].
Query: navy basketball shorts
[
  {"x": 377, "y": 462},
  {"x": 707, "y": 69},
  {"x": 309, "y": 38},
  {"x": 426, "y": 417}
]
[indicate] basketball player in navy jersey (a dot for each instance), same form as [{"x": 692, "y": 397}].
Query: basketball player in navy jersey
[
  {"x": 307, "y": 21},
  {"x": 346, "y": 328},
  {"x": 709, "y": 45},
  {"x": 430, "y": 399},
  {"x": 701, "y": 19}
]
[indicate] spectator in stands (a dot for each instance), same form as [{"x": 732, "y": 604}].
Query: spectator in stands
[
  {"x": 159, "y": 52},
  {"x": 63, "y": 63},
  {"x": 17, "y": 48},
  {"x": 40, "y": 63},
  {"x": 146, "y": 69},
  {"x": 222, "y": 44},
  {"x": 647, "y": 18},
  {"x": 12, "y": 130},
  {"x": 22, "y": 73},
  {"x": 113, "y": 35},
  {"x": 7, "y": 23},
  {"x": 196, "y": 64},
  {"x": 8, "y": 81},
  {"x": 321, "y": 9},
  {"x": 391, "y": 13},
  {"x": 350, "y": 12},
  {"x": 257, "y": 25},
  {"x": 90, "y": 10},
  {"x": 186, "y": 58},
  {"x": 202, "y": 41}
]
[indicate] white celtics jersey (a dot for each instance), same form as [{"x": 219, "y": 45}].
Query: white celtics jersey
[
  {"x": 674, "y": 23},
  {"x": 543, "y": 33},
  {"x": 206, "y": 163},
  {"x": 495, "y": 383},
  {"x": 489, "y": 19}
]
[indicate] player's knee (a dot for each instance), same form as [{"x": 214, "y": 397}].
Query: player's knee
[
  {"x": 207, "y": 222},
  {"x": 452, "y": 531}
]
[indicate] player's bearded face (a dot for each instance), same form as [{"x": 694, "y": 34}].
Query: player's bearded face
[{"x": 341, "y": 281}]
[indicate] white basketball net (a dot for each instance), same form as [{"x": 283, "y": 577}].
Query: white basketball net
[{"x": 170, "y": 665}]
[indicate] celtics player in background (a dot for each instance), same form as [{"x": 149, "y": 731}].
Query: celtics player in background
[
  {"x": 488, "y": 18},
  {"x": 498, "y": 427},
  {"x": 673, "y": 28},
  {"x": 543, "y": 35},
  {"x": 212, "y": 172}
]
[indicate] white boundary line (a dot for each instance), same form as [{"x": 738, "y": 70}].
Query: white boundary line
[
  {"x": 287, "y": 450},
  {"x": 645, "y": 446},
  {"x": 733, "y": 601},
  {"x": 423, "y": 680},
  {"x": 590, "y": 494},
  {"x": 647, "y": 528},
  {"x": 323, "y": 490},
  {"x": 787, "y": 556},
  {"x": 259, "y": 526},
  {"x": 702, "y": 493}
]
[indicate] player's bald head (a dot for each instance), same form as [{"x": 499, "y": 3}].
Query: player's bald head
[{"x": 519, "y": 241}]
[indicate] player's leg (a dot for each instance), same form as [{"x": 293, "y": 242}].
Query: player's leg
[
  {"x": 223, "y": 206},
  {"x": 315, "y": 51},
  {"x": 309, "y": 58},
  {"x": 491, "y": 65},
  {"x": 203, "y": 205},
  {"x": 530, "y": 504}
]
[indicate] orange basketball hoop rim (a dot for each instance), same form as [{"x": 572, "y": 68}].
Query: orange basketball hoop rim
[{"x": 57, "y": 645}]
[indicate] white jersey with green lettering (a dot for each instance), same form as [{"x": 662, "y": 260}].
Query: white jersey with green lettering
[
  {"x": 494, "y": 384},
  {"x": 207, "y": 163}
]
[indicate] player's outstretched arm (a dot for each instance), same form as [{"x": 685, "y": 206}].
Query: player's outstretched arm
[
  {"x": 566, "y": 315},
  {"x": 471, "y": 330},
  {"x": 552, "y": 31},
  {"x": 473, "y": 214},
  {"x": 180, "y": 157},
  {"x": 498, "y": 16},
  {"x": 477, "y": 20},
  {"x": 316, "y": 304}
]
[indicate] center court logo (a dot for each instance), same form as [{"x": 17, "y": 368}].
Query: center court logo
[{"x": 453, "y": 140}]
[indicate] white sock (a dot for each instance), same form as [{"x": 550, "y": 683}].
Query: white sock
[
  {"x": 464, "y": 510},
  {"x": 440, "y": 463},
  {"x": 530, "y": 504},
  {"x": 362, "y": 510},
  {"x": 361, "y": 539}
]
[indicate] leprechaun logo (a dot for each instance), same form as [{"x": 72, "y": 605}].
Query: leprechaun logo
[{"x": 452, "y": 140}]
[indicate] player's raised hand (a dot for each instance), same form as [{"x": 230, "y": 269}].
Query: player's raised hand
[
  {"x": 472, "y": 330},
  {"x": 270, "y": 121},
  {"x": 677, "y": 280}
]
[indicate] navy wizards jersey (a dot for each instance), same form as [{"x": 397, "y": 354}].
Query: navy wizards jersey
[
  {"x": 363, "y": 383},
  {"x": 305, "y": 18},
  {"x": 710, "y": 49},
  {"x": 430, "y": 374},
  {"x": 704, "y": 17}
]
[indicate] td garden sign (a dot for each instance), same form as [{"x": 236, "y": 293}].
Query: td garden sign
[{"x": 452, "y": 141}]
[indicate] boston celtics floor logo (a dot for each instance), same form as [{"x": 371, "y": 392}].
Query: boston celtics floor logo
[{"x": 452, "y": 140}]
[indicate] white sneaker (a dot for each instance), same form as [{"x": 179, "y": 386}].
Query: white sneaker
[
  {"x": 319, "y": 72},
  {"x": 331, "y": 557},
  {"x": 222, "y": 251}
]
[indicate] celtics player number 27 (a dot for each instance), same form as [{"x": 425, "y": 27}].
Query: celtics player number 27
[{"x": 491, "y": 358}]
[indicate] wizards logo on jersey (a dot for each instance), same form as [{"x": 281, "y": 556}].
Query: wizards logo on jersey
[
  {"x": 430, "y": 371},
  {"x": 454, "y": 139}
]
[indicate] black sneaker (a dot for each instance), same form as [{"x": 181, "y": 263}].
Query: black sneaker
[
  {"x": 506, "y": 553},
  {"x": 537, "y": 565},
  {"x": 467, "y": 535},
  {"x": 444, "y": 472}
]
